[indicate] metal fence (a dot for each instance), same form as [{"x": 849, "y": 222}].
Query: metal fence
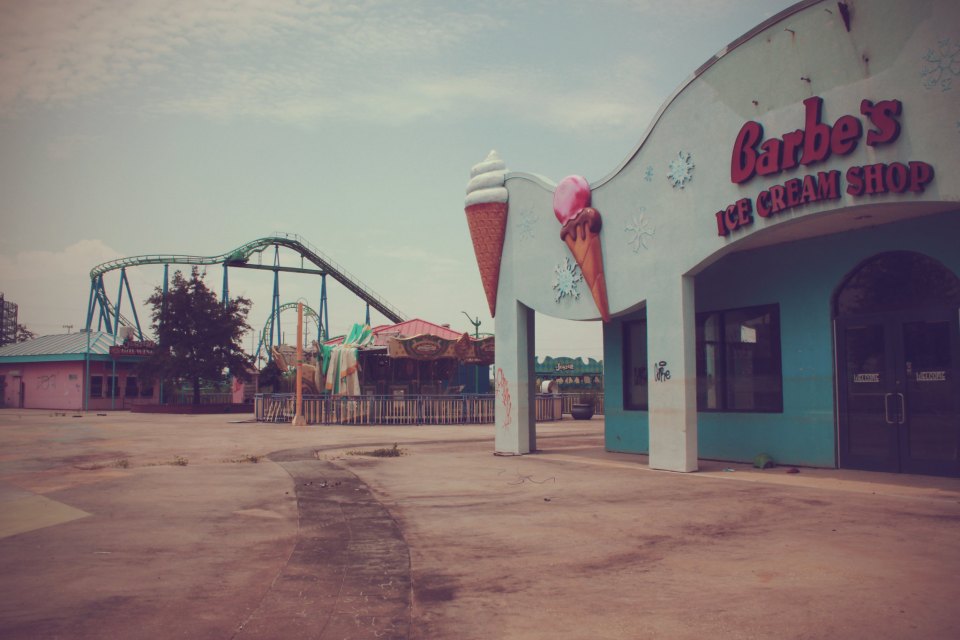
[{"x": 397, "y": 410}]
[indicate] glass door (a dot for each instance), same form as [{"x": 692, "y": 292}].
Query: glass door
[
  {"x": 930, "y": 405},
  {"x": 868, "y": 432},
  {"x": 899, "y": 399}
]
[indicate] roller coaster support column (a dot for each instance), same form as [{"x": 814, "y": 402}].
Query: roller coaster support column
[
  {"x": 116, "y": 310},
  {"x": 163, "y": 306},
  {"x": 91, "y": 303},
  {"x": 136, "y": 318},
  {"x": 323, "y": 317},
  {"x": 368, "y": 315},
  {"x": 275, "y": 309},
  {"x": 226, "y": 289},
  {"x": 104, "y": 313}
]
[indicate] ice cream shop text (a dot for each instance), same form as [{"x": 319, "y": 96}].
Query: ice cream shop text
[{"x": 815, "y": 143}]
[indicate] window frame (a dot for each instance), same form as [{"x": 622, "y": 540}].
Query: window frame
[
  {"x": 96, "y": 383},
  {"x": 112, "y": 385},
  {"x": 627, "y": 361},
  {"x": 722, "y": 368}
]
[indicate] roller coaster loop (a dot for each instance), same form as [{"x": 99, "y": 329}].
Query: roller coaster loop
[{"x": 307, "y": 312}]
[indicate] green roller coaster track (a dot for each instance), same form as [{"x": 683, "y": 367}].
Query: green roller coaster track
[
  {"x": 268, "y": 325},
  {"x": 111, "y": 317}
]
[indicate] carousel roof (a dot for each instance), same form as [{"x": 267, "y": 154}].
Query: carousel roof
[{"x": 408, "y": 329}]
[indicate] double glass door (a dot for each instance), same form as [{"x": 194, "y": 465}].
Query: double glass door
[{"x": 899, "y": 392}]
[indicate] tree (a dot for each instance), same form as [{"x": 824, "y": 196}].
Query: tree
[
  {"x": 199, "y": 338},
  {"x": 23, "y": 334}
]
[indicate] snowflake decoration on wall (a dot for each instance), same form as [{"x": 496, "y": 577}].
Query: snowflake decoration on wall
[
  {"x": 942, "y": 64},
  {"x": 681, "y": 170},
  {"x": 526, "y": 225},
  {"x": 566, "y": 277},
  {"x": 639, "y": 230},
  {"x": 648, "y": 174}
]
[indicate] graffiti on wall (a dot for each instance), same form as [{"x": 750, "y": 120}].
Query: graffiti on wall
[
  {"x": 45, "y": 383},
  {"x": 662, "y": 374},
  {"x": 503, "y": 394}
]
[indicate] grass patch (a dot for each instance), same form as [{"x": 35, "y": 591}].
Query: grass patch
[
  {"x": 119, "y": 463},
  {"x": 244, "y": 458},
  {"x": 392, "y": 452}
]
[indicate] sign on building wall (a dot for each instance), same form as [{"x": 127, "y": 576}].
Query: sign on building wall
[{"x": 755, "y": 155}]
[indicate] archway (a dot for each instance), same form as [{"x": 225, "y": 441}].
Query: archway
[{"x": 898, "y": 365}]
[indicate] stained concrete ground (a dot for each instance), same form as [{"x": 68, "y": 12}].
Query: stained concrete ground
[{"x": 141, "y": 526}]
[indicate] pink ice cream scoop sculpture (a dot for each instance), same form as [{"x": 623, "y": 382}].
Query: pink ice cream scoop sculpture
[{"x": 581, "y": 231}]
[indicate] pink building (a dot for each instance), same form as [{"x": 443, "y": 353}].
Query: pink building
[{"x": 65, "y": 371}]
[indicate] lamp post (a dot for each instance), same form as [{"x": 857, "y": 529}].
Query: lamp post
[
  {"x": 476, "y": 335},
  {"x": 298, "y": 418}
]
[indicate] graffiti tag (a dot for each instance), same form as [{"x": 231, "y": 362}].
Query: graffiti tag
[
  {"x": 503, "y": 393},
  {"x": 662, "y": 373}
]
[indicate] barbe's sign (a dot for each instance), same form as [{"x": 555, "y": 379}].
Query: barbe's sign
[{"x": 816, "y": 142}]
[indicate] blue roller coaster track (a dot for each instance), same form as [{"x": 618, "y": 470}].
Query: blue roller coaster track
[{"x": 110, "y": 317}]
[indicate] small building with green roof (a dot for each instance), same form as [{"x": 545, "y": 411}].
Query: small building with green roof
[{"x": 74, "y": 371}]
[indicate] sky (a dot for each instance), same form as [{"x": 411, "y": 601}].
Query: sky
[{"x": 137, "y": 127}]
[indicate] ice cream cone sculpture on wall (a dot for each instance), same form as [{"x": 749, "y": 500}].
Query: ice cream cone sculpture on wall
[
  {"x": 581, "y": 231},
  {"x": 486, "y": 209}
]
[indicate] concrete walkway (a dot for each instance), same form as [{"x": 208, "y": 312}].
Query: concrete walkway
[{"x": 143, "y": 526}]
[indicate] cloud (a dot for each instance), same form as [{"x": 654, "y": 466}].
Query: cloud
[
  {"x": 65, "y": 147},
  {"x": 60, "y": 52},
  {"x": 416, "y": 255},
  {"x": 294, "y": 62},
  {"x": 51, "y": 288}
]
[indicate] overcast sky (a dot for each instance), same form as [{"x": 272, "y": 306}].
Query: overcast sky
[{"x": 137, "y": 127}]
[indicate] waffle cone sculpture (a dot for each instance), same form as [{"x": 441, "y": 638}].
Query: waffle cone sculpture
[
  {"x": 581, "y": 233},
  {"x": 486, "y": 209}
]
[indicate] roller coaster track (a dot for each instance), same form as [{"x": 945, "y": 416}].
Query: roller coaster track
[
  {"x": 240, "y": 256},
  {"x": 268, "y": 325}
]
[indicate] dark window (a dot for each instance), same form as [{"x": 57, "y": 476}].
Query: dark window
[
  {"x": 738, "y": 360},
  {"x": 146, "y": 389},
  {"x": 96, "y": 386},
  {"x": 895, "y": 281},
  {"x": 130, "y": 389},
  {"x": 635, "y": 385},
  {"x": 113, "y": 387}
]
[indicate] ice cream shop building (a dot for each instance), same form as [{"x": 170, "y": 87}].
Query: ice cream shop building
[{"x": 777, "y": 263}]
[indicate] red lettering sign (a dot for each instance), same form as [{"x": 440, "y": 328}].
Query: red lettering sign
[{"x": 816, "y": 142}]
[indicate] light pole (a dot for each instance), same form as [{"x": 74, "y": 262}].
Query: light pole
[{"x": 476, "y": 335}]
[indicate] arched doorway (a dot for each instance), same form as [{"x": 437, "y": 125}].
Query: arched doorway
[{"x": 898, "y": 365}]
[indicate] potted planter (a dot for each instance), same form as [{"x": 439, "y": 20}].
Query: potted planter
[{"x": 582, "y": 409}]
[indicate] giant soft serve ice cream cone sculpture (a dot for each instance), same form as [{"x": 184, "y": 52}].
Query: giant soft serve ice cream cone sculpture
[
  {"x": 581, "y": 231},
  {"x": 486, "y": 208}
]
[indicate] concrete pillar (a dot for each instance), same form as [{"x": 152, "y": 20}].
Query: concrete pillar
[
  {"x": 515, "y": 379},
  {"x": 671, "y": 347}
]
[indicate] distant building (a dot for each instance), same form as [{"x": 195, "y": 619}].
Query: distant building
[
  {"x": 572, "y": 375},
  {"x": 8, "y": 321},
  {"x": 66, "y": 371}
]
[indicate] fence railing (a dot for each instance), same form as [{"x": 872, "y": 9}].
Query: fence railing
[{"x": 398, "y": 410}]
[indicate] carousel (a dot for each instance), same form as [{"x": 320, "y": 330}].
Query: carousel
[{"x": 409, "y": 373}]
